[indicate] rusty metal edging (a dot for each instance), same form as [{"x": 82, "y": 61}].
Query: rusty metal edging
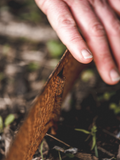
[{"x": 46, "y": 108}]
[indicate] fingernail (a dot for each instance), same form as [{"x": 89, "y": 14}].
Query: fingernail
[
  {"x": 86, "y": 54},
  {"x": 115, "y": 76}
]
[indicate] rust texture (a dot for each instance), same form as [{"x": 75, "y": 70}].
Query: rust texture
[{"x": 46, "y": 109}]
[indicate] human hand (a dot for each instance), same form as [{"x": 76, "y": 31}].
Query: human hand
[{"x": 99, "y": 26}]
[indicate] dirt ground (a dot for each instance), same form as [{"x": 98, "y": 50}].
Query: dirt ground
[{"x": 26, "y": 61}]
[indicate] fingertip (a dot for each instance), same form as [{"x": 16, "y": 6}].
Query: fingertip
[
  {"x": 87, "y": 55},
  {"x": 111, "y": 77},
  {"x": 111, "y": 82},
  {"x": 82, "y": 55},
  {"x": 114, "y": 75}
]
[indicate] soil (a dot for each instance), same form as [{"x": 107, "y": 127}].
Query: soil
[{"x": 25, "y": 65}]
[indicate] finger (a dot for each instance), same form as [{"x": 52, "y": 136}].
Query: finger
[
  {"x": 111, "y": 25},
  {"x": 63, "y": 23},
  {"x": 95, "y": 36},
  {"x": 115, "y": 4}
]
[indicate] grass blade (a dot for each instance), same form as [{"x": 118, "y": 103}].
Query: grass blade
[
  {"x": 83, "y": 130},
  {"x": 41, "y": 147},
  {"x": 94, "y": 142},
  {"x": 59, "y": 155},
  {"x": 96, "y": 151}
]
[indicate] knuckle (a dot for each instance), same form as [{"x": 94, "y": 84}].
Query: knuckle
[
  {"x": 76, "y": 2},
  {"x": 83, "y": 3},
  {"x": 74, "y": 39},
  {"x": 105, "y": 58},
  {"x": 97, "y": 30},
  {"x": 66, "y": 22},
  {"x": 115, "y": 28},
  {"x": 101, "y": 3},
  {"x": 107, "y": 61}
]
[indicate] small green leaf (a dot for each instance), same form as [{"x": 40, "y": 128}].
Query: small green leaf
[
  {"x": 33, "y": 66},
  {"x": 9, "y": 119},
  {"x": 87, "y": 75},
  {"x": 107, "y": 95},
  {"x": 59, "y": 155},
  {"x": 69, "y": 155},
  {"x": 83, "y": 130},
  {"x": 94, "y": 129},
  {"x": 113, "y": 106},
  {"x": 94, "y": 142},
  {"x": 1, "y": 124},
  {"x": 96, "y": 151},
  {"x": 6, "y": 49},
  {"x": 41, "y": 148},
  {"x": 55, "y": 48},
  {"x": 1, "y": 76},
  {"x": 117, "y": 110}
]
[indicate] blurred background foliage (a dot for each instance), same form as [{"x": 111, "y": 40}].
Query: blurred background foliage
[
  {"x": 27, "y": 60},
  {"x": 24, "y": 10}
]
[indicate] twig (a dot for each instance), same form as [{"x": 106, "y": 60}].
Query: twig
[
  {"x": 111, "y": 134},
  {"x": 104, "y": 151},
  {"x": 94, "y": 120},
  {"x": 57, "y": 139},
  {"x": 2, "y": 152},
  {"x": 118, "y": 156},
  {"x": 83, "y": 156}
]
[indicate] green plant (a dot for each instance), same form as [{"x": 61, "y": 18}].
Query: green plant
[
  {"x": 31, "y": 16},
  {"x": 41, "y": 148},
  {"x": 60, "y": 158},
  {"x": 93, "y": 134},
  {"x": 8, "y": 120},
  {"x": 115, "y": 108},
  {"x": 106, "y": 96},
  {"x": 1, "y": 124},
  {"x": 55, "y": 48},
  {"x": 32, "y": 67},
  {"x": 70, "y": 155},
  {"x": 87, "y": 75},
  {"x": 1, "y": 76},
  {"x": 6, "y": 49}
]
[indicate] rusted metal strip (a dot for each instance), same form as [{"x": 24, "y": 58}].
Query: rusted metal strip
[{"x": 46, "y": 108}]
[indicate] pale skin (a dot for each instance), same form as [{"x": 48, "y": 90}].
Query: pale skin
[{"x": 98, "y": 23}]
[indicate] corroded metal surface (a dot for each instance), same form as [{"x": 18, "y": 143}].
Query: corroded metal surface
[{"x": 46, "y": 108}]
